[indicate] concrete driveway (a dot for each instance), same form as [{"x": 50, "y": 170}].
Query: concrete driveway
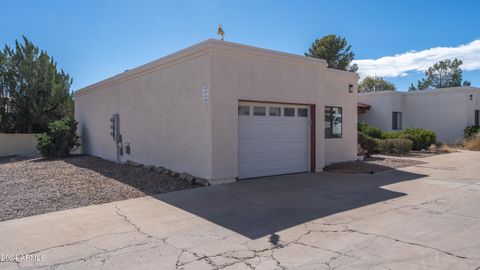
[{"x": 422, "y": 217}]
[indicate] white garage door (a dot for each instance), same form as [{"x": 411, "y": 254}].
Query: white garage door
[{"x": 273, "y": 139}]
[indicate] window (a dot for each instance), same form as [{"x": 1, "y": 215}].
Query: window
[
  {"x": 477, "y": 117},
  {"x": 274, "y": 111},
  {"x": 243, "y": 110},
  {"x": 302, "y": 112},
  {"x": 289, "y": 112},
  {"x": 259, "y": 111},
  {"x": 396, "y": 120},
  {"x": 333, "y": 122}
]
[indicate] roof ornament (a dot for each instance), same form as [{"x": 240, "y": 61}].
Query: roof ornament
[{"x": 220, "y": 32}]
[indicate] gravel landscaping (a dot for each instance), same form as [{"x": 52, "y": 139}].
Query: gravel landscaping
[
  {"x": 421, "y": 154},
  {"x": 37, "y": 185},
  {"x": 372, "y": 165}
]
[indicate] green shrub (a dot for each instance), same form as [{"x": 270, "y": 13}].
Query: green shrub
[
  {"x": 421, "y": 138},
  {"x": 391, "y": 135},
  {"x": 60, "y": 139},
  {"x": 394, "y": 146},
  {"x": 368, "y": 143},
  {"x": 374, "y": 132},
  {"x": 361, "y": 126},
  {"x": 371, "y": 131},
  {"x": 470, "y": 131}
]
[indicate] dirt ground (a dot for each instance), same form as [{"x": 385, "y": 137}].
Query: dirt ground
[{"x": 372, "y": 165}]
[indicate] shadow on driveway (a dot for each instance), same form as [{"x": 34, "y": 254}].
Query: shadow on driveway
[
  {"x": 259, "y": 207},
  {"x": 263, "y": 206}
]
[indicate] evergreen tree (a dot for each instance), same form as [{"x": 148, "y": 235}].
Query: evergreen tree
[
  {"x": 33, "y": 90},
  {"x": 335, "y": 50},
  {"x": 375, "y": 83},
  {"x": 443, "y": 74}
]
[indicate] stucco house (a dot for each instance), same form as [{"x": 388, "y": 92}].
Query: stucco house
[
  {"x": 223, "y": 111},
  {"x": 446, "y": 111}
]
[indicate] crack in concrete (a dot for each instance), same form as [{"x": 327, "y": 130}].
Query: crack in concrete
[
  {"x": 267, "y": 253},
  {"x": 95, "y": 256},
  {"x": 14, "y": 262},
  {"x": 411, "y": 243},
  {"x": 76, "y": 242},
  {"x": 130, "y": 222}
]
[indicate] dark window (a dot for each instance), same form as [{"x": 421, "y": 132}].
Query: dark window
[
  {"x": 274, "y": 111},
  {"x": 288, "y": 111},
  {"x": 477, "y": 117},
  {"x": 243, "y": 110},
  {"x": 333, "y": 122},
  {"x": 396, "y": 120},
  {"x": 259, "y": 111},
  {"x": 302, "y": 112}
]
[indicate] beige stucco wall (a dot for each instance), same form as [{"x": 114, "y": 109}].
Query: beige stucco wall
[
  {"x": 382, "y": 106},
  {"x": 163, "y": 117},
  {"x": 17, "y": 144},
  {"x": 161, "y": 111},
  {"x": 446, "y": 111},
  {"x": 253, "y": 74}
]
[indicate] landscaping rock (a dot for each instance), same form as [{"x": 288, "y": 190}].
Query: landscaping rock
[
  {"x": 132, "y": 163},
  {"x": 190, "y": 179},
  {"x": 187, "y": 177},
  {"x": 202, "y": 182},
  {"x": 36, "y": 186}
]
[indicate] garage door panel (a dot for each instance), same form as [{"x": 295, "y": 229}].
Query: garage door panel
[
  {"x": 244, "y": 130},
  {"x": 273, "y": 145},
  {"x": 259, "y": 131}
]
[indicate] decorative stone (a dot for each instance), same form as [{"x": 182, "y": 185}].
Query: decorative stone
[
  {"x": 190, "y": 179},
  {"x": 132, "y": 163},
  {"x": 187, "y": 177},
  {"x": 202, "y": 182}
]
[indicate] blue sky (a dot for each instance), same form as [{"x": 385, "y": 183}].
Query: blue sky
[{"x": 92, "y": 40}]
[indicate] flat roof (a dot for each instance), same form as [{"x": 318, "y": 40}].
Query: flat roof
[
  {"x": 196, "y": 49},
  {"x": 458, "y": 89}
]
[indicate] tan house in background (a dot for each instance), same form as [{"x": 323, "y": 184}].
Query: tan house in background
[
  {"x": 446, "y": 111},
  {"x": 224, "y": 111}
]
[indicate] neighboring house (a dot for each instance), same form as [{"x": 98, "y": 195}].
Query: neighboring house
[
  {"x": 446, "y": 111},
  {"x": 224, "y": 111}
]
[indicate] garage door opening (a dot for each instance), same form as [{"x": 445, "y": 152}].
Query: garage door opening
[{"x": 274, "y": 138}]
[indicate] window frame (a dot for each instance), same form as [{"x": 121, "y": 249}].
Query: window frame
[
  {"x": 397, "y": 125},
  {"x": 329, "y": 133}
]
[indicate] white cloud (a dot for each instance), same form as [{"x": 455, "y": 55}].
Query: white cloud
[{"x": 399, "y": 65}]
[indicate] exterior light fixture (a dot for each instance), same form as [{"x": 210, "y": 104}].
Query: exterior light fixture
[
  {"x": 350, "y": 88},
  {"x": 471, "y": 97}
]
